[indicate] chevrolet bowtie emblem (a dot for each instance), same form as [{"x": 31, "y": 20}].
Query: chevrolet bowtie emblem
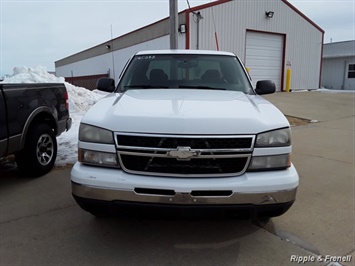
[{"x": 183, "y": 153}]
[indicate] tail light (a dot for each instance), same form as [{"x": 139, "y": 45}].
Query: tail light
[{"x": 66, "y": 101}]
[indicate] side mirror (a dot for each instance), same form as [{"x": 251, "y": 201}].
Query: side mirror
[
  {"x": 265, "y": 87},
  {"x": 106, "y": 84}
]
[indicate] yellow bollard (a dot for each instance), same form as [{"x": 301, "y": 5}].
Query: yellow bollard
[
  {"x": 288, "y": 80},
  {"x": 248, "y": 70}
]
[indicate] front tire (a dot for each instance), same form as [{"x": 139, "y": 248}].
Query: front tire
[{"x": 40, "y": 152}]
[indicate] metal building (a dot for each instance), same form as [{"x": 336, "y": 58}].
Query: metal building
[
  {"x": 269, "y": 36},
  {"x": 338, "y": 69}
]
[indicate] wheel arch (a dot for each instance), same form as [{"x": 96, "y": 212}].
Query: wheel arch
[{"x": 44, "y": 115}]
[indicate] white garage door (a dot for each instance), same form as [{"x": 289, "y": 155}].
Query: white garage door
[{"x": 264, "y": 57}]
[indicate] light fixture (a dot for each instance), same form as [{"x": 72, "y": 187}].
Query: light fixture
[
  {"x": 182, "y": 28},
  {"x": 269, "y": 14},
  {"x": 199, "y": 16},
  {"x": 108, "y": 46}
]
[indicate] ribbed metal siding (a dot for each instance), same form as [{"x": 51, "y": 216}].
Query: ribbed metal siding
[
  {"x": 233, "y": 19},
  {"x": 103, "y": 63}
]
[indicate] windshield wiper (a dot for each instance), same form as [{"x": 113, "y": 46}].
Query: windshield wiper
[{"x": 201, "y": 87}]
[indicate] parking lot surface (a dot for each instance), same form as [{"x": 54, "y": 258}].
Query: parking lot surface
[{"x": 40, "y": 224}]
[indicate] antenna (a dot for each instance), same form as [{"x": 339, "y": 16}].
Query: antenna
[{"x": 113, "y": 58}]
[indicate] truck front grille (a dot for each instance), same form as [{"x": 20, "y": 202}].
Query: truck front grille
[
  {"x": 193, "y": 143},
  {"x": 192, "y": 167},
  {"x": 175, "y": 155}
]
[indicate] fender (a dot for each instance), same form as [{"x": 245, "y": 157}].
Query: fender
[{"x": 52, "y": 113}]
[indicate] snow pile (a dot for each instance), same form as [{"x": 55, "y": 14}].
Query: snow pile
[
  {"x": 38, "y": 74},
  {"x": 335, "y": 91},
  {"x": 325, "y": 90},
  {"x": 80, "y": 100}
]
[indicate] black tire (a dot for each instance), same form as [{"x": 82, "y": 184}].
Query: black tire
[{"x": 40, "y": 152}]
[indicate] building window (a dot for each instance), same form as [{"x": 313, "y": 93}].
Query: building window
[{"x": 351, "y": 72}]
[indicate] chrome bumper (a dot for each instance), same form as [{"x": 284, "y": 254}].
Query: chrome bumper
[{"x": 178, "y": 198}]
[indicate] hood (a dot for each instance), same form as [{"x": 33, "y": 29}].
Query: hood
[{"x": 185, "y": 111}]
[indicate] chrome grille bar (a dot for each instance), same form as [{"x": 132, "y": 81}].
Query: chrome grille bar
[{"x": 163, "y": 155}]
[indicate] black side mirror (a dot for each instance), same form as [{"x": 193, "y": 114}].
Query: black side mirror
[
  {"x": 265, "y": 87},
  {"x": 106, "y": 84}
]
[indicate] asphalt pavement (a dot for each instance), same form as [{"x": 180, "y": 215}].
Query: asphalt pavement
[{"x": 40, "y": 223}]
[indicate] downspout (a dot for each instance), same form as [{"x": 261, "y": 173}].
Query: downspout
[
  {"x": 321, "y": 62},
  {"x": 344, "y": 76},
  {"x": 198, "y": 34},
  {"x": 187, "y": 38}
]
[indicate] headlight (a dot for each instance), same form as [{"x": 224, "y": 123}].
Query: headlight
[
  {"x": 275, "y": 138},
  {"x": 271, "y": 162},
  {"x": 98, "y": 158},
  {"x": 95, "y": 134}
]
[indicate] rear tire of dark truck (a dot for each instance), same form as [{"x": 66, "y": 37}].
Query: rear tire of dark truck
[{"x": 40, "y": 152}]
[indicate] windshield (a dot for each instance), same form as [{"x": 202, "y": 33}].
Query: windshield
[{"x": 217, "y": 72}]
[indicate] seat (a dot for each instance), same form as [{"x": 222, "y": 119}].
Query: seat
[
  {"x": 211, "y": 76},
  {"x": 157, "y": 77},
  {"x": 139, "y": 79}
]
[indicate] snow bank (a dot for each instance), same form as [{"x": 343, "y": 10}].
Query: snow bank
[
  {"x": 325, "y": 90},
  {"x": 38, "y": 74},
  {"x": 335, "y": 91},
  {"x": 80, "y": 100}
]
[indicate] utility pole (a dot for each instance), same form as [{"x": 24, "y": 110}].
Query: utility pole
[{"x": 173, "y": 24}]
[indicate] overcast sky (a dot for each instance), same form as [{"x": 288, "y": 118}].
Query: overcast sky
[{"x": 40, "y": 32}]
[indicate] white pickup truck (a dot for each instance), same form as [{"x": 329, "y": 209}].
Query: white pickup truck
[{"x": 185, "y": 129}]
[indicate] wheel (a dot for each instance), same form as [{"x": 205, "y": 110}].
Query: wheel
[{"x": 40, "y": 152}]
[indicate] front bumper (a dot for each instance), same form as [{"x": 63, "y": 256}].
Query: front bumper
[
  {"x": 252, "y": 188},
  {"x": 202, "y": 197}
]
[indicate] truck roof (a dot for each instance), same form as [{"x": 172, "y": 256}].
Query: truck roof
[{"x": 200, "y": 52}]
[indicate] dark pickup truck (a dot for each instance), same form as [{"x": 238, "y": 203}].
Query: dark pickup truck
[{"x": 31, "y": 116}]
